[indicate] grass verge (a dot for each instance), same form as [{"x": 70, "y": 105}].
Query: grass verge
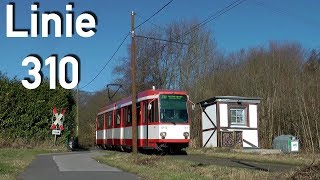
[
  {"x": 291, "y": 159},
  {"x": 14, "y": 161},
  {"x": 166, "y": 167}
]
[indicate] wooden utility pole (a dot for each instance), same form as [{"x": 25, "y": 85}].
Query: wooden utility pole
[
  {"x": 134, "y": 90},
  {"x": 77, "y": 119}
]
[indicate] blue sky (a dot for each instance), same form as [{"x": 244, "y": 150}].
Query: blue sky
[{"x": 245, "y": 26}]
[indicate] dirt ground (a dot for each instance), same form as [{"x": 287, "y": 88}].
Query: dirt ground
[{"x": 309, "y": 172}]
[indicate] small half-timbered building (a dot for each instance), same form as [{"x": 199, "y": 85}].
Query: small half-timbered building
[{"x": 229, "y": 121}]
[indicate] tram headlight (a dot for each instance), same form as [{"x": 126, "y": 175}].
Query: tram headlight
[
  {"x": 186, "y": 135},
  {"x": 163, "y": 135}
]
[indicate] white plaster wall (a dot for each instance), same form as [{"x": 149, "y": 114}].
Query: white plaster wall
[
  {"x": 206, "y": 124},
  {"x": 212, "y": 142},
  {"x": 251, "y": 136},
  {"x": 211, "y": 111},
  {"x": 223, "y": 115},
  {"x": 253, "y": 116}
]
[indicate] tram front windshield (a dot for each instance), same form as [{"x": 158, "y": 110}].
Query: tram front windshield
[{"x": 173, "y": 108}]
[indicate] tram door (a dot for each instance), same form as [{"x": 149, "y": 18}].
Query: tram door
[
  {"x": 113, "y": 126},
  {"x": 145, "y": 123},
  {"x": 128, "y": 123},
  {"x": 152, "y": 122},
  {"x": 140, "y": 128}
]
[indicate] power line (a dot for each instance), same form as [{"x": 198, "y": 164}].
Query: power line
[
  {"x": 215, "y": 15},
  {"x": 154, "y": 14},
  {"x": 88, "y": 92},
  {"x": 165, "y": 40},
  {"x": 123, "y": 42},
  {"x": 105, "y": 65},
  {"x": 206, "y": 21},
  {"x": 155, "y": 25},
  {"x": 212, "y": 17},
  {"x": 209, "y": 19},
  {"x": 281, "y": 11}
]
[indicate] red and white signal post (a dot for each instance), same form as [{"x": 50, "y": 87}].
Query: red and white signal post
[{"x": 57, "y": 124}]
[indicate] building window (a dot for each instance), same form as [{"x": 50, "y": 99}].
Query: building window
[{"x": 237, "y": 116}]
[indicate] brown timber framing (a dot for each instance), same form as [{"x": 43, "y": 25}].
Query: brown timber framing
[
  {"x": 252, "y": 145},
  {"x": 201, "y": 134},
  {"x": 218, "y": 123}
]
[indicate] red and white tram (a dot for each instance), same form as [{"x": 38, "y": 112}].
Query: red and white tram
[{"x": 162, "y": 122}]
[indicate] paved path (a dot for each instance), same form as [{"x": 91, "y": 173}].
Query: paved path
[{"x": 71, "y": 166}]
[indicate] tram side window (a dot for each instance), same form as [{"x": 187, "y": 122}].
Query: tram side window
[
  {"x": 150, "y": 113},
  {"x": 105, "y": 121},
  {"x": 100, "y": 121},
  {"x": 129, "y": 115},
  {"x": 125, "y": 112},
  {"x": 145, "y": 111},
  {"x": 156, "y": 110},
  {"x": 109, "y": 119},
  {"x": 153, "y": 112},
  {"x": 118, "y": 116},
  {"x": 138, "y": 112}
]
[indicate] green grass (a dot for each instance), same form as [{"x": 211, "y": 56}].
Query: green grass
[
  {"x": 166, "y": 167},
  {"x": 291, "y": 159},
  {"x": 14, "y": 161}
]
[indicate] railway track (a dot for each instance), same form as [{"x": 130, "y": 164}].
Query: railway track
[{"x": 203, "y": 160}]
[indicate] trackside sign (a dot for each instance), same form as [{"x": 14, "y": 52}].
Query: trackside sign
[{"x": 56, "y": 132}]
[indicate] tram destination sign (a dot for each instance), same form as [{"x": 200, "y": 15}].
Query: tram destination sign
[{"x": 172, "y": 97}]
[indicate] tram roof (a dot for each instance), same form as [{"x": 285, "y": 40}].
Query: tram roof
[{"x": 142, "y": 94}]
